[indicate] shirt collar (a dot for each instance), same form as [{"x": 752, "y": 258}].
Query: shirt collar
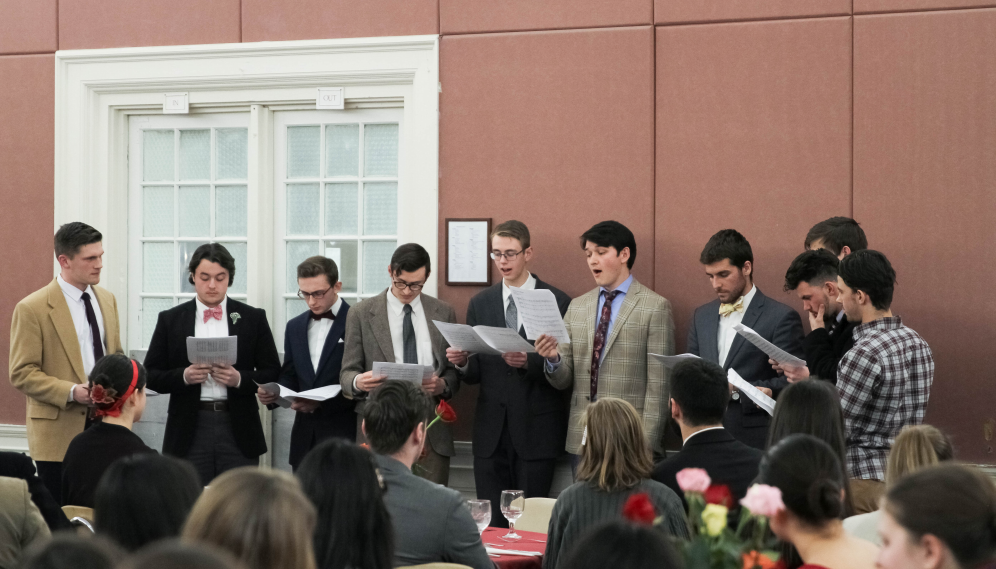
[
  {"x": 623, "y": 288},
  {"x": 697, "y": 432},
  {"x": 73, "y": 292},
  {"x": 201, "y": 307},
  {"x": 398, "y": 307},
  {"x": 506, "y": 291},
  {"x": 748, "y": 297},
  {"x": 883, "y": 324},
  {"x": 840, "y": 315},
  {"x": 338, "y": 304}
]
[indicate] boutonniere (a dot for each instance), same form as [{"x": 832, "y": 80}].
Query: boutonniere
[{"x": 235, "y": 317}]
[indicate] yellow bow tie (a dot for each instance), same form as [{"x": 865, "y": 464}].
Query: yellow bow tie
[{"x": 728, "y": 309}]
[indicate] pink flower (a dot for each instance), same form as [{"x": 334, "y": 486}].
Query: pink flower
[
  {"x": 763, "y": 500},
  {"x": 693, "y": 480}
]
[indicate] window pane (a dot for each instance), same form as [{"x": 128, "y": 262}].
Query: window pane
[
  {"x": 376, "y": 259},
  {"x": 342, "y": 150},
  {"x": 157, "y": 155},
  {"x": 151, "y": 307},
  {"x": 233, "y": 153},
  {"x": 380, "y": 149},
  {"x": 195, "y": 211},
  {"x": 303, "y": 147},
  {"x": 380, "y": 208},
  {"x": 157, "y": 267},
  {"x": 344, "y": 255},
  {"x": 294, "y": 307},
  {"x": 157, "y": 212},
  {"x": 195, "y": 154},
  {"x": 186, "y": 251},
  {"x": 231, "y": 210},
  {"x": 341, "y": 209},
  {"x": 302, "y": 209},
  {"x": 238, "y": 251},
  {"x": 297, "y": 251}
]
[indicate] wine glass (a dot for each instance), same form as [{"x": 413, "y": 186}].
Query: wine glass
[
  {"x": 513, "y": 502},
  {"x": 480, "y": 510}
]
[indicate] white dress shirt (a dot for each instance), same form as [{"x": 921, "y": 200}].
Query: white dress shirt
[
  {"x": 211, "y": 390},
  {"x": 726, "y": 334},
  {"x": 318, "y": 332},
  {"x": 685, "y": 442},
  {"x": 506, "y": 294},
  {"x": 77, "y": 309},
  {"x": 396, "y": 318}
]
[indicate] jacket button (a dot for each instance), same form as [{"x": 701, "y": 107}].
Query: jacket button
[{"x": 508, "y": 373}]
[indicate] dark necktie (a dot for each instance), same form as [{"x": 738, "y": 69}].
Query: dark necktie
[
  {"x": 327, "y": 314},
  {"x": 91, "y": 319},
  {"x": 601, "y": 334},
  {"x": 408, "y": 334},
  {"x": 512, "y": 315}
]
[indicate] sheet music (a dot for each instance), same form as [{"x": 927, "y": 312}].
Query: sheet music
[
  {"x": 285, "y": 394},
  {"x": 463, "y": 337},
  {"x": 414, "y": 373},
  {"x": 468, "y": 252},
  {"x": 539, "y": 314},
  {"x": 671, "y": 361},
  {"x": 217, "y": 351},
  {"x": 755, "y": 394},
  {"x": 773, "y": 351},
  {"x": 504, "y": 339}
]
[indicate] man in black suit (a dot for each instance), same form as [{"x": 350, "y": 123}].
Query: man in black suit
[
  {"x": 17, "y": 465},
  {"x": 699, "y": 397},
  {"x": 729, "y": 263},
  {"x": 313, "y": 347},
  {"x": 213, "y": 418},
  {"x": 520, "y": 426}
]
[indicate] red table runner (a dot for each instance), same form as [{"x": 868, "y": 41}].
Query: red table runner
[{"x": 531, "y": 541}]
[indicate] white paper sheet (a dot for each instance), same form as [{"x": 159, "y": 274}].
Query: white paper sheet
[
  {"x": 468, "y": 252},
  {"x": 218, "y": 351},
  {"x": 753, "y": 393},
  {"x": 483, "y": 339},
  {"x": 285, "y": 394},
  {"x": 773, "y": 351},
  {"x": 504, "y": 340},
  {"x": 671, "y": 361},
  {"x": 414, "y": 373},
  {"x": 497, "y": 552},
  {"x": 539, "y": 314}
]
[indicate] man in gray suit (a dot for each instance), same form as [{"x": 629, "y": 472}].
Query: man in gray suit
[
  {"x": 396, "y": 326},
  {"x": 729, "y": 263}
]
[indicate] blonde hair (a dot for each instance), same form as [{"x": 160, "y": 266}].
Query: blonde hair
[
  {"x": 260, "y": 516},
  {"x": 615, "y": 455},
  {"x": 916, "y": 447}
]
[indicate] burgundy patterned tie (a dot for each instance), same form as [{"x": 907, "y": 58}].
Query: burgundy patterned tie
[{"x": 600, "y": 336}]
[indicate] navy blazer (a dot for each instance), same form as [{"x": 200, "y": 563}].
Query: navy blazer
[{"x": 335, "y": 417}]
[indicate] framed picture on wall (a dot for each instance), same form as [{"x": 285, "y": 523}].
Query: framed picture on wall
[{"x": 467, "y": 260}]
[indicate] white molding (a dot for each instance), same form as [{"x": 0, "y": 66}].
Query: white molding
[{"x": 14, "y": 438}]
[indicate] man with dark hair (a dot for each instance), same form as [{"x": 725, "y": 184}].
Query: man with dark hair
[
  {"x": 57, "y": 334},
  {"x": 840, "y": 235},
  {"x": 884, "y": 380},
  {"x": 729, "y": 264},
  {"x": 520, "y": 426},
  {"x": 699, "y": 397},
  {"x": 431, "y": 523},
  {"x": 213, "y": 418},
  {"x": 396, "y": 326},
  {"x": 313, "y": 348},
  {"x": 612, "y": 328}
]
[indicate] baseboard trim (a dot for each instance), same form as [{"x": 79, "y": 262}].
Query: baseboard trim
[{"x": 14, "y": 438}]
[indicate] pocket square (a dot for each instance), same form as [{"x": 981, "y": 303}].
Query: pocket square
[{"x": 341, "y": 340}]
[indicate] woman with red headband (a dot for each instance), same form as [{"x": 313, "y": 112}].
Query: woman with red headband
[{"x": 117, "y": 388}]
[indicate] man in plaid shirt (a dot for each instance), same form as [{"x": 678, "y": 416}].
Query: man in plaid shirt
[{"x": 884, "y": 380}]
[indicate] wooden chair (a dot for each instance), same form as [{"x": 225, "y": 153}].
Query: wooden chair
[
  {"x": 536, "y": 515},
  {"x": 81, "y": 518}
]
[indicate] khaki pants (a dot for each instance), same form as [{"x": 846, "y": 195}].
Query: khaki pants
[{"x": 866, "y": 494}]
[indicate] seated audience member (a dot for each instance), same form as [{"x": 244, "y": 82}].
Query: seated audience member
[
  {"x": 144, "y": 498},
  {"x": 615, "y": 464},
  {"x": 354, "y": 529},
  {"x": 941, "y": 517},
  {"x": 621, "y": 544},
  {"x": 117, "y": 387},
  {"x": 260, "y": 516},
  {"x": 916, "y": 447},
  {"x": 811, "y": 479},
  {"x": 70, "y": 551},
  {"x": 699, "y": 396},
  {"x": 431, "y": 522},
  {"x": 17, "y": 465},
  {"x": 21, "y": 524},
  {"x": 173, "y": 554}
]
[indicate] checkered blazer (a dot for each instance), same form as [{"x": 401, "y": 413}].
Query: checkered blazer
[{"x": 644, "y": 324}]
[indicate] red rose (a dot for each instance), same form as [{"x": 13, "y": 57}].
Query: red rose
[
  {"x": 639, "y": 509},
  {"x": 445, "y": 413},
  {"x": 719, "y": 494}
]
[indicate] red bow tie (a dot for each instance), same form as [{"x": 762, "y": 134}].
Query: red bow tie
[
  {"x": 327, "y": 314},
  {"x": 215, "y": 313}
]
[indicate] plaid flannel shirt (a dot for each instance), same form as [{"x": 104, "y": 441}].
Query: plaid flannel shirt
[{"x": 884, "y": 383}]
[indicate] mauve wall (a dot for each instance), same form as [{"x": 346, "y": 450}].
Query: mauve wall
[{"x": 676, "y": 117}]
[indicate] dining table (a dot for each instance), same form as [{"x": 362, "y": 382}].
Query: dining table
[{"x": 531, "y": 542}]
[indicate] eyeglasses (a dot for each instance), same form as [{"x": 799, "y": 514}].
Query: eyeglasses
[
  {"x": 316, "y": 295},
  {"x": 414, "y": 287},
  {"x": 510, "y": 255}
]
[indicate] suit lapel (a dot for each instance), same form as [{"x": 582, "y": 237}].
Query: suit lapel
[
  {"x": 708, "y": 347},
  {"x": 750, "y": 318},
  {"x": 337, "y": 331},
  {"x": 110, "y": 317},
  {"x": 297, "y": 329},
  {"x": 590, "y": 322},
  {"x": 62, "y": 319},
  {"x": 629, "y": 302},
  {"x": 431, "y": 309},
  {"x": 187, "y": 321},
  {"x": 382, "y": 326},
  {"x": 496, "y": 306}
]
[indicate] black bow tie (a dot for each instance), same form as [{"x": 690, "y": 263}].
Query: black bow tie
[{"x": 327, "y": 314}]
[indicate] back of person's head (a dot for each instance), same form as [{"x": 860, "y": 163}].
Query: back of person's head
[
  {"x": 810, "y": 477},
  {"x": 615, "y": 454},
  {"x": 835, "y": 234},
  {"x": 812, "y": 267},
  {"x": 727, "y": 244},
  {"x": 69, "y": 551},
  {"x": 113, "y": 381},
  {"x": 612, "y": 234},
  {"x": 392, "y": 412},
  {"x": 143, "y": 498},
  {"x": 870, "y": 272},
  {"x": 512, "y": 229},
  {"x": 954, "y": 503},
  {"x": 71, "y": 237},
  {"x": 174, "y": 554},
  {"x": 260, "y": 516},
  {"x": 700, "y": 389},
  {"x": 916, "y": 447},
  {"x": 354, "y": 528},
  {"x": 409, "y": 258},
  {"x": 623, "y": 545}
]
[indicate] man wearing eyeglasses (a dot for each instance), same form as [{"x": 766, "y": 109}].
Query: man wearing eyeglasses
[
  {"x": 313, "y": 348},
  {"x": 396, "y": 326}
]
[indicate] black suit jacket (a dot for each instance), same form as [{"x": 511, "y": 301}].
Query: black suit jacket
[
  {"x": 257, "y": 362},
  {"x": 776, "y": 323},
  {"x": 17, "y": 465},
  {"x": 335, "y": 417},
  {"x": 826, "y": 346},
  {"x": 535, "y": 411}
]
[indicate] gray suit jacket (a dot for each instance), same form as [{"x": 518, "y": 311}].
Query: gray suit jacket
[
  {"x": 368, "y": 340},
  {"x": 431, "y": 522}
]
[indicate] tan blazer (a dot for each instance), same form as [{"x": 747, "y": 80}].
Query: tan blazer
[
  {"x": 45, "y": 362},
  {"x": 643, "y": 325},
  {"x": 21, "y": 523}
]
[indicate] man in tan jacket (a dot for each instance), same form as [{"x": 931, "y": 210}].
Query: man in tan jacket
[{"x": 56, "y": 336}]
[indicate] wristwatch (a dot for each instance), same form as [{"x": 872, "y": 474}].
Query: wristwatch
[{"x": 735, "y": 396}]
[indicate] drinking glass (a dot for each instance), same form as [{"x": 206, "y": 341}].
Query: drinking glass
[
  {"x": 480, "y": 510},
  {"x": 513, "y": 502}
]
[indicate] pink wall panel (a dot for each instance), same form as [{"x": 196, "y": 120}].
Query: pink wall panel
[
  {"x": 271, "y": 20},
  {"x": 753, "y": 133},
  {"x": 85, "y": 24},
  {"x": 873, "y": 6},
  {"x": 28, "y": 26},
  {"x": 673, "y": 11},
  {"x": 924, "y": 179},
  {"x": 27, "y": 103},
  {"x": 468, "y": 16}
]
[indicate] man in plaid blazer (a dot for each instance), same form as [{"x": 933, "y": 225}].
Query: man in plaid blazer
[{"x": 612, "y": 328}]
